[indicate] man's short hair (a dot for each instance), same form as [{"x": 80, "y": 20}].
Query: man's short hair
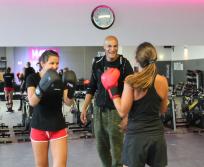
[{"x": 28, "y": 64}]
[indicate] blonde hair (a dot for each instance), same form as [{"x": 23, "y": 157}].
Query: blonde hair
[{"x": 146, "y": 56}]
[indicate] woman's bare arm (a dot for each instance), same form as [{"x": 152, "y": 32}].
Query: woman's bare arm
[
  {"x": 67, "y": 100},
  {"x": 161, "y": 86},
  {"x": 124, "y": 104},
  {"x": 32, "y": 98}
]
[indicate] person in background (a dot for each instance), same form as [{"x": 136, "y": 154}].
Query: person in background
[
  {"x": 20, "y": 77},
  {"x": 65, "y": 69},
  {"x": 8, "y": 88},
  {"x": 46, "y": 90},
  {"x": 109, "y": 138},
  {"x": 144, "y": 97},
  {"x": 27, "y": 70},
  {"x": 61, "y": 72}
]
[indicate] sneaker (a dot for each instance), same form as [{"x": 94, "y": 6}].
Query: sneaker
[{"x": 10, "y": 111}]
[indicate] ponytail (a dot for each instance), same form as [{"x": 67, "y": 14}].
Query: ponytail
[
  {"x": 144, "y": 79},
  {"x": 146, "y": 56}
]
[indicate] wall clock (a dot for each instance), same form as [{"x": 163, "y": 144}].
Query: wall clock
[{"x": 103, "y": 17}]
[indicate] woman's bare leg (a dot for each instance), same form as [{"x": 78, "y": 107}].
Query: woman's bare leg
[
  {"x": 59, "y": 149},
  {"x": 40, "y": 150}
]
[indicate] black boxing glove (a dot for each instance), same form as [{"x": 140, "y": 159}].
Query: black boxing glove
[
  {"x": 69, "y": 79},
  {"x": 49, "y": 79}
]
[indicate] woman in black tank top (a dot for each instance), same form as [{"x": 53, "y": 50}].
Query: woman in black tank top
[{"x": 144, "y": 97}]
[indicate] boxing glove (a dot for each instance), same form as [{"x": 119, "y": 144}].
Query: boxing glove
[
  {"x": 48, "y": 82},
  {"x": 18, "y": 75},
  {"x": 69, "y": 79},
  {"x": 109, "y": 80}
]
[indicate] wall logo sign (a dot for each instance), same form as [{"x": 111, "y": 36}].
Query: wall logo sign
[{"x": 35, "y": 53}]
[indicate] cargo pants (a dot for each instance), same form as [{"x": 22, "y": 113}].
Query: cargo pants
[{"x": 109, "y": 138}]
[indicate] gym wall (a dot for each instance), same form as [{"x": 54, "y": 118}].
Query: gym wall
[
  {"x": 78, "y": 59},
  {"x": 196, "y": 64},
  {"x": 167, "y": 57}
]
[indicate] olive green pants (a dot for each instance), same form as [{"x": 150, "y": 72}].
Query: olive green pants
[{"x": 109, "y": 139}]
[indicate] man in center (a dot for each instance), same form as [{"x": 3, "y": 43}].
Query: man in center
[{"x": 109, "y": 137}]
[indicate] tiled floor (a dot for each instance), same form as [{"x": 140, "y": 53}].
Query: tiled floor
[{"x": 184, "y": 150}]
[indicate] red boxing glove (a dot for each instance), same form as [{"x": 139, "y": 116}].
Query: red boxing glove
[
  {"x": 109, "y": 80},
  {"x": 18, "y": 75}
]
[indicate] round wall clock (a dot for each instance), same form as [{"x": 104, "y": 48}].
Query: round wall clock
[{"x": 103, "y": 17}]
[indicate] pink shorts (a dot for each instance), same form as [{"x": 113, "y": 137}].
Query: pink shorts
[
  {"x": 8, "y": 89},
  {"x": 45, "y": 136}
]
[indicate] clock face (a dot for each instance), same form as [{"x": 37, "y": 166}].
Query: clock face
[{"x": 103, "y": 17}]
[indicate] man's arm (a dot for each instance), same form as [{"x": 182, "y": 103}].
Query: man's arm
[
  {"x": 90, "y": 91},
  {"x": 84, "y": 109}
]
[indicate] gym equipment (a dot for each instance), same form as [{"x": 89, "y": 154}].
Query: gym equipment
[
  {"x": 3, "y": 130},
  {"x": 82, "y": 84},
  {"x": 179, "y": 89},
  {"x": 170, "y": 116},
  {"x": 4, "y": 135},
  {"x": 27, "y": 114},
  {"x": 22, "y": 130},
  {"x": 173, "y": 118},
  {"x": 5, "y": 141},
  {"x": 23, "y": 140},
  {"x": 3, "y": 126},
  {"x": 194, "y": 82},
  {"x": 77, "y": 126},
  {"x": 193, "y": 109},
  {"x": 21, "y": 134}
]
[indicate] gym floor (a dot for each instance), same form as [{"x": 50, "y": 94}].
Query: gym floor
[{"x": 185, "y": 149}]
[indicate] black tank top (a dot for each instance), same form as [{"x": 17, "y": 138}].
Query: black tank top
[
  {"x": 8, "y": 80},
  {"x": 144, "y": 114}
]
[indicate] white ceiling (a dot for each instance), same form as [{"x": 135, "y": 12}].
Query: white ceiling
[{"x": 68, "y": 23}]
